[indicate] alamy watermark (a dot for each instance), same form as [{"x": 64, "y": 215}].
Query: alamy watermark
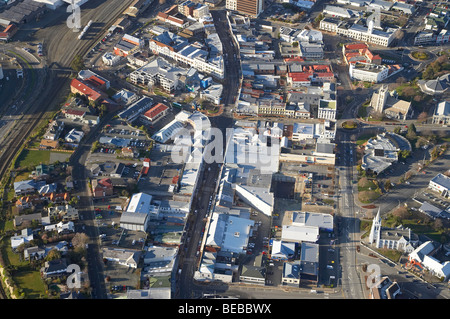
[
  {"x": 74, "y": 20},
  {"x": 373, "y": 279},
  {"x": 74, "y": 279}
]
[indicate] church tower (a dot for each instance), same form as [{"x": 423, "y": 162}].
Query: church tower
[{"x": 375, "y": 231}]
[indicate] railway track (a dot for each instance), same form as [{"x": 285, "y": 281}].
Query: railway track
[{"x": 58, "y": 78}]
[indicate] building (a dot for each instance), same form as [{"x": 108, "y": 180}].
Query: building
[
  {"x": 86, "y": 89},
  {"x": 131, "y": 113},
  {"x": 384, "y": 289},
  {"x": 368, "y": 72},
  {"x": 155, "y": 113},
  {"x": 124, "y": 257},
  {"x": 424, "y": 256},
  {"x": 441, "y": 184},
  {"x": 399, "y": 238},
  {"x": 158, "y": 73},
  {"x": 103, "y": 187},
  {"x": 385, "y": 102},
  {"x": 359, "y": 32},
  {"x": 359, "y": 52},
  {"x": 251, "y": 8},
  {"x": 441, "y": 113},
  {"x": 380, "y": 153}
]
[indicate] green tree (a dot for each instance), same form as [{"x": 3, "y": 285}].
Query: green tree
[{"x": 77, "y": 63}]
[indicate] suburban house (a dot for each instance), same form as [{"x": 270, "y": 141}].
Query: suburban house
[
  {"x": 103, "y": 187},
  {"x": 54, "y": 268}
]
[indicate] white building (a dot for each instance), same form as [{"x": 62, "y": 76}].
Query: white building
[
  {"x": 441, "y": 184},
  {"x": 423, "y": 255},
  {"x": 361, "y": 33},
  {"x": 442, "y": 113},
  {"x": 399, "y": 238},
  {"x": 290, "y": 233},
  {"x": 368, "y": 72}
]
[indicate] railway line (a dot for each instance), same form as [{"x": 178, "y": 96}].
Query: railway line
[{"x": 58, "y": 60}]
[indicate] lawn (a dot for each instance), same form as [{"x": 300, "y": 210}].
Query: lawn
[
  {"x": 31, "y": 282},
  {"x": 363, "y": 138},
  {"x": 31, "y": 158}
]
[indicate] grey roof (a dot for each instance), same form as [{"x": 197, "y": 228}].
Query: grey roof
[
  {"x": 430, "y": 210},
  {"x": 133, "y": 218},
  {"x": 442, "y": 180},
  {"x": 291, "y": 270},
  {"x": 253, "y": 271}
]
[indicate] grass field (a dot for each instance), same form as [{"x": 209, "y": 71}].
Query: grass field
[{"x": 32, "y": 158}]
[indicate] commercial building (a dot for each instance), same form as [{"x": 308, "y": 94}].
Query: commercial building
[
  {"x": 155, "y": 113},
  {"x": 359, "y": 32},
  {"x": 380, "y": 153},
  {"x": 160, "y": 73},
  {"x": 251, "y": 8},
  {"x": 441, "y": 114},
  {"x": 441, "y": 184}
]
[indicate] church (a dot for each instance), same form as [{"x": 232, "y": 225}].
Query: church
[
  {"x": 399, "y": 238},
  {"x": 387, "y": 103}
]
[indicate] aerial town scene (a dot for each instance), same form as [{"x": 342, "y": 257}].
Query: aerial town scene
[{"x": 224, "y": 149}]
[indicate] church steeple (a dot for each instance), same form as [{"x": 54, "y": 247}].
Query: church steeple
[{"x": 376, "y": 228}]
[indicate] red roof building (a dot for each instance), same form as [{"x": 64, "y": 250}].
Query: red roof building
[
  {"x": 155, "y": 113},
  {"x": 359, "y": 52},
  {"x": 83, "y": 88}
]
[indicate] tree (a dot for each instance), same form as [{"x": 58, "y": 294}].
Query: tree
[
  {"x": 77, "y": 63},
  {"x": 387, "y": 185},
  {"x": 80, "y": 240},
  {"x": 53, "y": 255},
  {"x": 422, "y": 116}
]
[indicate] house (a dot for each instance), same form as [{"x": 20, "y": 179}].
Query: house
[
  {"x": 74, "y": 136},
  {"x": 128, "y": 152},
  {"x": 48, "y": 144},
  {"x": 25, "y": 237},
  {"x": 24, "y": 187},
  {"x": 384, "y": 289},
  {"x": 34, "y": 252},
  {"x": 102, "y": 187},
  {"x": 124, "y": 257},
  {"x": 64, "y": 212},
  {"x": 54, "y": 268},
  {"x": 61, "y": 227},
  {"x": 26, "y": 220}
]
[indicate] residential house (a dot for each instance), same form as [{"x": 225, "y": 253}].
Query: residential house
[
  {"x": 25, "y": 237},
  {"x": 24, "y": 187},
  {"x": 26, "y": 220},
  {"x": 102, "y": 187},
  {"x": 54, "y": 268},
  {"x": 35, "y": 252}
]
